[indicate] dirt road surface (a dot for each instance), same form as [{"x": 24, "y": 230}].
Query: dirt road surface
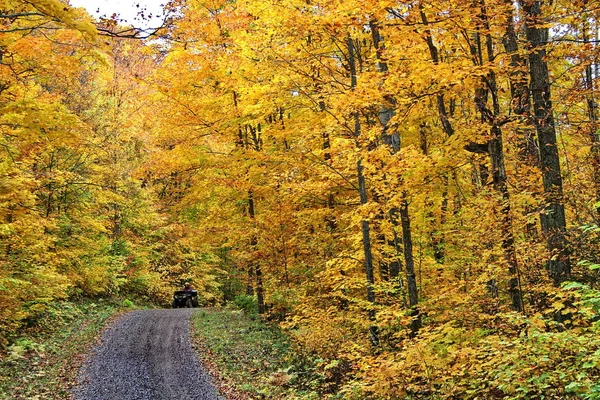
[{"x": 146, "y": 355}]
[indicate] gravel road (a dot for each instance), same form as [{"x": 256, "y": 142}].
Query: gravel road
[{"x": 146, "y": 355}]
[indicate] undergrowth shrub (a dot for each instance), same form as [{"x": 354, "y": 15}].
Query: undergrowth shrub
[
  {"x": 247, "y": 303},
  {"x": 522, "y": 357}
]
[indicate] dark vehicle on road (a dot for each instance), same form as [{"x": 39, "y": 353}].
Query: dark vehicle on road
[{"x": 185, "y": 299}]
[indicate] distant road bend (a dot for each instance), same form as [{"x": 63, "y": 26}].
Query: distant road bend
[{"x": 146, "y": 355}]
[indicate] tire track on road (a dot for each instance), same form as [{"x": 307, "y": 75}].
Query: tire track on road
[{"x": 146, "y": 355}]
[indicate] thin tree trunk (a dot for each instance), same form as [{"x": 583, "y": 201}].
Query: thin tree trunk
[
  {"x": 496, "y": 153},
  {"x": 437, "y": 239},
  {"x": 392, "y": 139},
  {"x": 250, "y": 282},
  {"x": 411, "y": 281},
  {"x": 521, "y": 104},
  {"x": 241, "y": 141},
  {"x": 592, "y": 109},
  {"x": 373, "y": 331},
  {"x": 395, "y": 266},
  {"x": 519, "y": 91},
  {"x": 330, "y": 220},
  {"x": 250, "y": 139},
  {"x": 255, "y": 267}
]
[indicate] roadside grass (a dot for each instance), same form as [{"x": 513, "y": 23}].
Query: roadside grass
[
  {"x": 248, "y": 358},
  {"x": 44, "y": 363}
]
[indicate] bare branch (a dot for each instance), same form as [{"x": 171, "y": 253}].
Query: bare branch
[{"x": 23, "y": 14}]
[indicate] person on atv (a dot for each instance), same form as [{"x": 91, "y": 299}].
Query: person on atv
[{"x": 187, "y": 297}]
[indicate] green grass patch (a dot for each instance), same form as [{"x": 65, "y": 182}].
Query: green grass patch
[
  {"x": 43, "y": 364},
  {"x": 254, "y": 358}
]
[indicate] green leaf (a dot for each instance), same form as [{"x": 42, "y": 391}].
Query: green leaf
[
  {"x": 572, "y": 387},
  {"x": 573, "y": 285}
]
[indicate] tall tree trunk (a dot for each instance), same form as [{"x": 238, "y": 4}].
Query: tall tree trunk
[
  {"x": 592, "y": 109},
  {"x": 250, "y": 138},
  {"x": 437, "y": 239},
  {"x": 491, "y": 116},
  {"x": 411, "y": 280},
  {"x": 553, "y": 219},
  {"x": 395, "y": 266},
  {"x": 521, "y": 104},
  {"x": 392, "y": 139},
  {"x": 519, "y": 91},
  {"x": 330, "y": 219},
  {"x": 373, "y": 331},
  {"x": 255, "y": 267}
]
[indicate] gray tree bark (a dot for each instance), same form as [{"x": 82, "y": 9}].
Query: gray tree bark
[
  {"x": 592, "y": 109},
  {"x": 553, "y": 218},
  {"x": 491, "y": 116},
  {"x": 438, "y": 241},
  {"x": 392, "y": 139},
  {"x": 373, "y": 331}
]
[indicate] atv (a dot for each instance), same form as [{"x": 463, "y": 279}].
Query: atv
[{"x": 185, "y": 298}]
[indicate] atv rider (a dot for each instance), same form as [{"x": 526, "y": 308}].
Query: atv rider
[{"x": 187, "y": 287}]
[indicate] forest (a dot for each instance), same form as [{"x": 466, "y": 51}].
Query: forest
[{"x": 409, "y": 189}]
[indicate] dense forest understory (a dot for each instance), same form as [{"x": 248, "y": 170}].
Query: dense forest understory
[{"x": 410, "y": 190}]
